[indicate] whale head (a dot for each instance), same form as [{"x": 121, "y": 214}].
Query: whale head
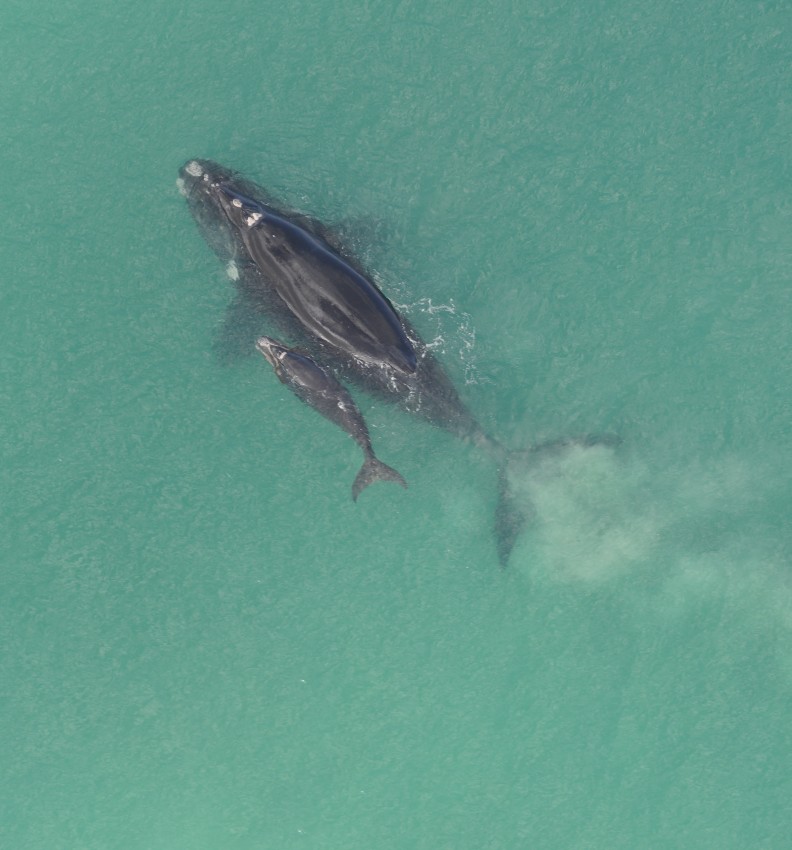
[
  {"x": 200, "y": 179},
  {"x": 272, "y": 350},
  {"x": 224, "y": 205},
  {"x": 204, "y": 173},
  {"x": 200, "y": 182}
]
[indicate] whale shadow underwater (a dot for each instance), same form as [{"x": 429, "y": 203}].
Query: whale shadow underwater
[{"x": 291, "y": 269}]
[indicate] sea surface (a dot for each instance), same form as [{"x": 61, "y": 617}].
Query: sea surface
[{"x": 586, "y": 209}]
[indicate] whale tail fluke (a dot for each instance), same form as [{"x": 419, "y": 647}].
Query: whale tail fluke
[
  {"x": 374, "y": 469},
  {"x": 514, "y": 510}
]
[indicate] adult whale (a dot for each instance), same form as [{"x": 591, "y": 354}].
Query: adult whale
[{"x": 290, "y": 267}]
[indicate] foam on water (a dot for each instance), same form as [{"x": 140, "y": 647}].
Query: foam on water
[{"x": 449, "y": 332}]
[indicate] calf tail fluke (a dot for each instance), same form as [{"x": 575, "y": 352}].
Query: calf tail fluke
[{"x": 373, "y": 470}]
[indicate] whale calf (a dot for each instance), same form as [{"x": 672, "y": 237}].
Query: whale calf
[{"x": 321, "y": 391}]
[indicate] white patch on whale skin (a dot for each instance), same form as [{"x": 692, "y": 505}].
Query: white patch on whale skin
[
  {"x": 236, "y": 203},
  {"x": 193, "y": 169},
  {"x": 253, "y": 219},
  {"x": 232, "y": 270}
]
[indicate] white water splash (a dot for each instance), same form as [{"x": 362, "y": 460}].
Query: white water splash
[{"x": 450, "y": 335}]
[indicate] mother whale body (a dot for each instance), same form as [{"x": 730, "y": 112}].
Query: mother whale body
[{"x": 288, "y": 266}]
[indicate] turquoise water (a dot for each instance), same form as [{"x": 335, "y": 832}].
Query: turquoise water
[{"x": 205, "y": 643}]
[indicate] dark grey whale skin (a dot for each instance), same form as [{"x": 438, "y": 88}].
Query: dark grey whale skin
[
  {"x": 289, "y": 268},
  {"x": 321, "y": 391}
]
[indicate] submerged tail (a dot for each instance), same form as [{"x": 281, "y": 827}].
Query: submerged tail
[
  {"x": 373, "y": 470},
  {"x": 511, "y": 516}
]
